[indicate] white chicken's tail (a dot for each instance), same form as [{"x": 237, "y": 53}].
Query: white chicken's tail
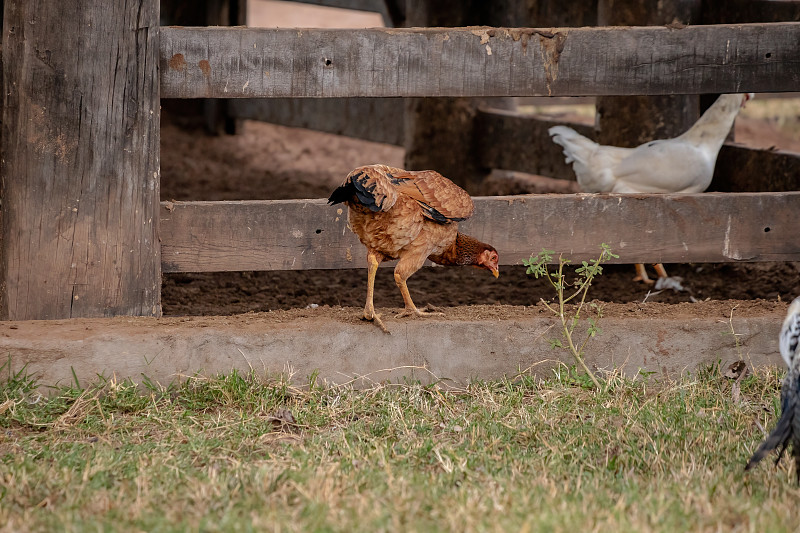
[{"x": 577, "y": 148}]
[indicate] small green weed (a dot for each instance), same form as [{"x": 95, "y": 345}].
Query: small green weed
[{"x": 566, "y": 292}]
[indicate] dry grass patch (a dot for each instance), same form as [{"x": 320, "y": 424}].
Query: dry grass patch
[{"x": 244, "y": 452}]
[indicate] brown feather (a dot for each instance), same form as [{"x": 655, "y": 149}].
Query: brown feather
[
  {"x": 433, "y": 189},
  {"x": 374, "y": 178},
  {"x": 463, "y": 251}
]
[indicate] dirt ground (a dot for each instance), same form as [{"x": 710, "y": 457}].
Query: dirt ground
[{"x": 275, "y": 162}]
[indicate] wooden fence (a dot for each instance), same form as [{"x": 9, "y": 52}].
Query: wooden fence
[
  {"x": 200, "y": 236},
  {"x": 84, "y": 233},
  {"x": 475, "y": 62}
]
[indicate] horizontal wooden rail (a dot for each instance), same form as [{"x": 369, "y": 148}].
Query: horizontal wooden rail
[
  {"x": 309, "y": 234},
  {"x": 512, "y": 141},
  {"x": 386, "y": 9},
  {"x": 377, "y": 6},
  {"x": 738, "y": 11},
  {"x": 371, "y": 119},
  {"x": 478, "y": 61},
  {"x": 742, "y": 169}
]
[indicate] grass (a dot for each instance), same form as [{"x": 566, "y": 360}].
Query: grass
[{"x": 243, "y": 453}]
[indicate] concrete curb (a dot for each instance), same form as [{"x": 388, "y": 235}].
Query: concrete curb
[{"x": 456, "y": 351}]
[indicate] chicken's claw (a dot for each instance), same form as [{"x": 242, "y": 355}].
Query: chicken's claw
[
  {"x": 413, "y": 311},
  {"x": 641, "y": 275},
  {"x": 434, "y": 310},
  {"x": 376, "y": 319}
]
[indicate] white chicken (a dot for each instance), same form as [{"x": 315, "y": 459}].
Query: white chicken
[{"x": 684, "y": 164}]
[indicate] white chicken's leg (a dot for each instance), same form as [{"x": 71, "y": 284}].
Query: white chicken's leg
[
  {"x": 662, "y": 273},
  {"x": 373, "y": 260},
  {"x": 641, "y": 274}
]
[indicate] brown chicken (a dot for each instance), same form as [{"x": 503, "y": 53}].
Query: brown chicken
[{"x": 410, "y": 216}]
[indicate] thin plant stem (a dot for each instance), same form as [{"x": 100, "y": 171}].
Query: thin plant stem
[
  {"x": 569, "y": 329},
  {"x": 568, "y": 323}
]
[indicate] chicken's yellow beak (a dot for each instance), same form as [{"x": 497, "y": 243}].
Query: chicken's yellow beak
[{"x": 496, "y": 272}]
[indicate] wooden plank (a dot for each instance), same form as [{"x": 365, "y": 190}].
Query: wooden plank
[
  {"x": 372, "y": 119},
  {"x": 80, "y": 173},
  {"x": 309, "y": 234},
  {"x": 218, "y": 119},
  {"x": 742, "y": 169},
  {"x": 511, "y": 141},
  {"x": 635, "y": 119},
  {"x": 251, "y": 63},
  {"x": 376, "y": 6},
  {"x": 390, "y": 13},
  {"x": 648, "y": 12},
  {"x": 741, "y": 11},
  {"x": 440, "y": 131},
  {"x": 212, "y": 113},
  {"x": 539, "y": 13}
]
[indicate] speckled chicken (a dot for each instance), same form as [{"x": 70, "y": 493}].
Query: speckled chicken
[
  {"x": 788, "y": 429},
  {"x": 684, "y": 164},
  {"x": 410, "y": 216}
]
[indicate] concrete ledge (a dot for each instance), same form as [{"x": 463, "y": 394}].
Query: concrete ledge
[{"x": 342, "y": 348}]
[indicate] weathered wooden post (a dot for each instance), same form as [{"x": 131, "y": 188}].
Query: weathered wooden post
[
  {"x": 441, "y": 133},
  {"x": 80, "y": 159},
  {"x": 633, "y": 120},
  {"x": 743, "y": 11},
  {"x": 214, "y": 112},
  {"x": 221, "y": 13},
  {"x": 541, "y": 13}
]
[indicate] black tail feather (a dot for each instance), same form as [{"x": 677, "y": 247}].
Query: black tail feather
[
  {"x": 342, "y": 194},
  {"x": 780, "y": 436},
  {"x": 787, "y": 431}
]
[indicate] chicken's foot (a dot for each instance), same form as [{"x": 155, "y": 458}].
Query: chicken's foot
[
  {"x": 373, "y": 260},
  {"x": 641, "y": 273},
  {"x": 411, "y": 309},
  {"x": 418, "y": 312},
  {"x": 376, "y": 319},
  {"x": 660, "y": 270}
]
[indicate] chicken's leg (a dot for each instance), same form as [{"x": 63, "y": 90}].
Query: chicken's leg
[
  {"x": 373, "y": 260},
  {"x": 662, "y": 273},
  {"x": 400, "y": 276},
  {"x": 641, "y": 273}
]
